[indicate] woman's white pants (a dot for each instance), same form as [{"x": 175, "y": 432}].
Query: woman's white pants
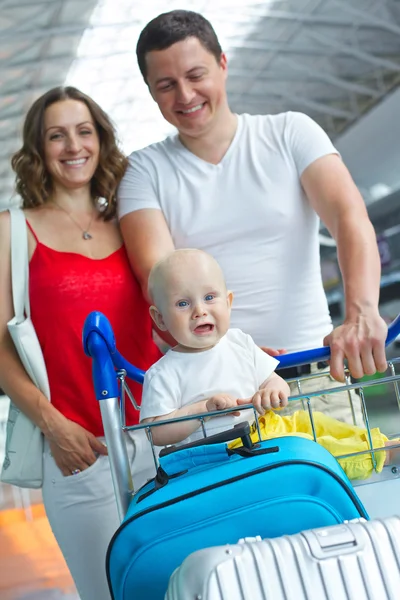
[{"x": 83, "y": 514}]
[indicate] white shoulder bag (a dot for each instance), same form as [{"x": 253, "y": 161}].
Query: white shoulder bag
[{"x": 23, "y": 463}]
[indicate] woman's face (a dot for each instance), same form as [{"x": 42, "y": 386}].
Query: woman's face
[{"x": 71, "y": 144}]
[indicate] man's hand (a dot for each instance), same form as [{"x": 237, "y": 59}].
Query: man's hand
[
  {"x": 362, "y": 343},
  {"x": 221, "y": 402},
  {"x": 273, "y": 393}
]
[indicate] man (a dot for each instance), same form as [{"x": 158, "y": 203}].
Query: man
[{"x": 250, "y": 190}]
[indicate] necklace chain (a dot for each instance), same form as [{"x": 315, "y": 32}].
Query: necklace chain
[{"x": 85, "y": 232}]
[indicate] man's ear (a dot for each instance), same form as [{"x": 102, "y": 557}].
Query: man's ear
[
  {"x": 223, "y": 63},
  {"x": 157, "y": 318},
  {"x": 229, "y": 298},
  {"x": 150, "y": 90}
]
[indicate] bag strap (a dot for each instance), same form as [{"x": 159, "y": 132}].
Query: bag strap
[{"x": 19, "y": 264}]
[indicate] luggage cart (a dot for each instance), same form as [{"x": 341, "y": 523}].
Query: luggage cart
[{"x": 380, "y": 493}]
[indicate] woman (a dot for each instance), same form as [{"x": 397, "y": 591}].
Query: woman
[{"x": 67, "y": 172}]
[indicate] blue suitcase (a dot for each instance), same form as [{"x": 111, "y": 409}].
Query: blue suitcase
[{"x": 210, "y": 495}]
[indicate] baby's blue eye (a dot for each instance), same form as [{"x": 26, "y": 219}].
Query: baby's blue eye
[
  {"x": 182, "y": 303},
  {"x": 209, "y": 297}
]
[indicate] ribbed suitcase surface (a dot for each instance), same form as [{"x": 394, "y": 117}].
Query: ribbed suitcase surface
[{"x": 353, "y": 561}]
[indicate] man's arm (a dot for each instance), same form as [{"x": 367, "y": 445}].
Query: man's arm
[
  {"x": 147, "y": 240},
  {"x": 336, "y": 199}
]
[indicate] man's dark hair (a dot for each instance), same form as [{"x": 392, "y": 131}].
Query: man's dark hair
[{"x": 175, "y": 26}]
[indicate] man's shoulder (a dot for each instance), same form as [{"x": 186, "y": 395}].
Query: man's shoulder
[
  {"x": 277, "y": 122},
  {"x": 155, "y": 150}
]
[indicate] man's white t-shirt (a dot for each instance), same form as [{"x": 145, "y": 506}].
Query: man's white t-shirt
[
  {"x": 251, "y": 213},
  {"x": 234, "y": 366}
]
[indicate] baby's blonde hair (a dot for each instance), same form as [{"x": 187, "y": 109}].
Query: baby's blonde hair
[{"x": 158, "y": 273}]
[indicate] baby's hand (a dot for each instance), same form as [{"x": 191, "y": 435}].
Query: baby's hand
[
  {"x": 220, "y": 402},
  {"x": 273, "y": 393},
  {"x": 268, "y": 398}
]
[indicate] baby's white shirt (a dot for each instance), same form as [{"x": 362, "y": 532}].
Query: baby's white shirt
[{"x": 236, "y": 366}]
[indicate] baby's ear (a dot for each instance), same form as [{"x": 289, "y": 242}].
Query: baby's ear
[
  {"x": 157, "y": 318},
  {"x": 229, "y": 298}
]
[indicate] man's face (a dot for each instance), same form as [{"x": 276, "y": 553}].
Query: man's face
[{"x": 188, "y": 85}]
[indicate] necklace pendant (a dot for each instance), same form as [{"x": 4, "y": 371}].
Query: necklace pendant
[{"x": 86, "y": 235}]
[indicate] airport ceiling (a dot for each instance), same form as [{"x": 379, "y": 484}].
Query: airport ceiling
[{"x": 332, "y": 59}]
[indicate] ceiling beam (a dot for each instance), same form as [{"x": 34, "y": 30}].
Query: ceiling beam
[
  {"x": 364, "y": 21},
  {"x": 366, "y": 17},
  {"x": 73, "y": 29},
  {"x": 264, "y": 46},
  {"x": 13, "y": 5},
  {"x": 42, "y": 32},
  {"x": 10, "y": 65},
  {"x": 318, "y": 74},
  {"x": 295, "y": 100},
  {"x": 342, "y": 48}
]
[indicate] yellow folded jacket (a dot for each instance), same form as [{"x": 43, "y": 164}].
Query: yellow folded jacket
[{"x": 337, "y": 437}]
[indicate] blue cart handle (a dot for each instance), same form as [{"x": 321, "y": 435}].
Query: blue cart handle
[
  {"x": 295, "y": 359},
  {"x": 99, "y": 344}
]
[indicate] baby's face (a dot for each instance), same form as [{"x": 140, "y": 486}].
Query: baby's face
[{"x": 196, "y": 305}]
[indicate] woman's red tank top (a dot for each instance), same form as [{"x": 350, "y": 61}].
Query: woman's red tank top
[{"x": 64, "y": 288}]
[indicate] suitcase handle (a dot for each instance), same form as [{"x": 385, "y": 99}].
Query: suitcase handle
[
  {"x": 241, "y": 430},
  {"x": 255, "y": 451},
  {"x": 162, "y": 478}
]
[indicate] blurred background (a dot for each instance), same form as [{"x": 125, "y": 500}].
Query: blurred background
[{"x": 336, "y": 60}]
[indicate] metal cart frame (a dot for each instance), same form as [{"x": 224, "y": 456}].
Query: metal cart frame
[{"x": 110, "y": 370}]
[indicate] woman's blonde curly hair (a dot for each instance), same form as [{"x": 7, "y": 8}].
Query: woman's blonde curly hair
[{"x": 34, "y": 183}]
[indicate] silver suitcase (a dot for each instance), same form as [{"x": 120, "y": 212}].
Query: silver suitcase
[{"x": 353, "y": 561}]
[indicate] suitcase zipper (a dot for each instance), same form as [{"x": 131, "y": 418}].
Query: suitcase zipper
[{"x": 203, "y": 490}]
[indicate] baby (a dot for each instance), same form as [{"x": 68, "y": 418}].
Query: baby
[{"x": 213, "y": 367}]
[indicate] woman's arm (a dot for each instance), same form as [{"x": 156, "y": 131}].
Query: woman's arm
[{"x": 13, "y": 378}]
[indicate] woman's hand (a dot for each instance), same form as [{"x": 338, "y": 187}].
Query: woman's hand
[{"x": 74, "y": 448}]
